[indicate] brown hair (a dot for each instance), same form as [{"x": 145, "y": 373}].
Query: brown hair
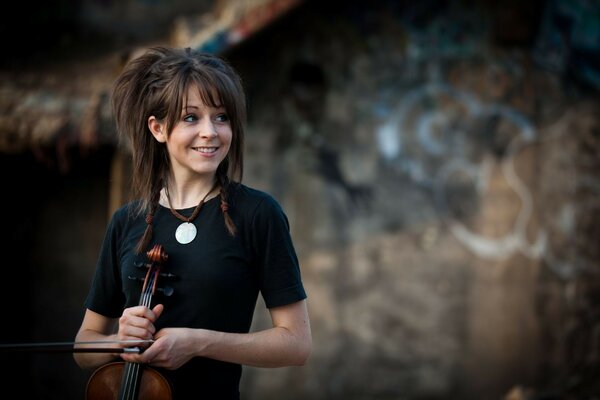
[{"x": 155, "y": 84}]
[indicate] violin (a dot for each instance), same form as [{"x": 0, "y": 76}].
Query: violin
[{"x": 122, "y": 380}]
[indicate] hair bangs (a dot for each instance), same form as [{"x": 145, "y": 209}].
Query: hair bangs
[
  {"x": 208, "y": 89},
  {"x": 173, "y": 100},
  {"x": 215, "y": 89}
]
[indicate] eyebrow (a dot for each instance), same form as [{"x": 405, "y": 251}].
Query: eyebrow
[{"x": 203, "y": 106}]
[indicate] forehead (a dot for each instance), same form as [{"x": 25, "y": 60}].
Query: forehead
[{"x": 201, "y": 97}]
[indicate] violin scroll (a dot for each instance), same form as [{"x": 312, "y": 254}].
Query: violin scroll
[{"x": 157, "y": 254}]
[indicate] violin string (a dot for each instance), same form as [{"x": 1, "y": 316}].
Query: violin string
[
  {"x": 132, "y": 370},
  {"x": 133, "y": 374},
  {"x": 126, "y": 385},
  {"x": 147, "y": 302}
]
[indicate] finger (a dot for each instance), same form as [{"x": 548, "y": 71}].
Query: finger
[
  {"x": 138, "y": 311},
  {"x": 132, "y": 358},
  {"x": 149, "y": 314},
  {"x": 129, "y": 332},
  {"x": 157, "y": 310},
  {"x": 143, "y": 321}
]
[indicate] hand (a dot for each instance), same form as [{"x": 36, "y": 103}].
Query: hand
[
  {"x": 170, "y": 350},
  {"x": 137, "y": 323}
]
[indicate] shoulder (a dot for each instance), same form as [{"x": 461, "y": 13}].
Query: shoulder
[
  {"x": 254, "y": 205},
  {"x": 248, "y": 198},
  {"x": 125, "y": 213},
  {"x": 127, "y": 209}
]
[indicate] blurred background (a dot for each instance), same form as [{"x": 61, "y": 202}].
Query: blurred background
[{"x": 438, "y": 161}]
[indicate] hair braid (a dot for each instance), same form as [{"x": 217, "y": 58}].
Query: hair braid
[
  {"x": 223, "y": 195},
  {"x": 147, "y": 236}
]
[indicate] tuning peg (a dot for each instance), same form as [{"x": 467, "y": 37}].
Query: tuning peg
[
  {"x": 140, "y": 264},
  {"x": 135, "y": 278},
  {"x": 167, "y": 275},
  {"x": 167, "y": 290}
]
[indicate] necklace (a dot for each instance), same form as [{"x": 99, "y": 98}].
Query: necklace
[{"x": 186, "y": 231}]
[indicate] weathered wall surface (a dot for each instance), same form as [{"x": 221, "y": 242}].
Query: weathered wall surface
[{"x": 441, "y": 179}]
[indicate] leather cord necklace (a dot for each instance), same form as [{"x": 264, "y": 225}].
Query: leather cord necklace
[{"x": 186, "y": 231}]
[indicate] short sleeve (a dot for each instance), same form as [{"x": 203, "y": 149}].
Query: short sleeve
[
  {"x": 105, "y": 296},
  {"x": 279, "y": 272}
]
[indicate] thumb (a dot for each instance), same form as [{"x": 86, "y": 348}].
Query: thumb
[{"x": 157, "y": 310}]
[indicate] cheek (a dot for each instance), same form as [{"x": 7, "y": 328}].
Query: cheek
[
  {"x": 227, "y": 149},
  {"x": 226, "y": 138}
]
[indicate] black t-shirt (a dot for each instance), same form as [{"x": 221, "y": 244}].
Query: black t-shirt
[{"x": 217, "y": 277}]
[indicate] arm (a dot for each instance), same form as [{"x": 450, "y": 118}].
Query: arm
[
  {"x": 287, "y": 343},
  {"x": 95, "y": 327},
  {"x": 136, "y": 323}
]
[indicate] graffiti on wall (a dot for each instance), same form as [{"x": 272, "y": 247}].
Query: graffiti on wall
[
  {"x": 442, "y": 141},
  {"x": 440, "y": 136}
]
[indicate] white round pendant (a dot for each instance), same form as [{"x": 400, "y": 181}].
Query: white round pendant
[{"x": 185, "y": 233}]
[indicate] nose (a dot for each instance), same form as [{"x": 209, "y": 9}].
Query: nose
[{"x": 208, "y": 129}]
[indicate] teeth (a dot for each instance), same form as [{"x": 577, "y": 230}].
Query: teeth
[{"x": 205, "y": 149}]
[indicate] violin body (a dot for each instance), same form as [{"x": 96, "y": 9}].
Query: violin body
[{"x": 105, "y": 382}]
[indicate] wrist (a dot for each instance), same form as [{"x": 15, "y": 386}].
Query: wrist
[{"x": 205, "y": 342}]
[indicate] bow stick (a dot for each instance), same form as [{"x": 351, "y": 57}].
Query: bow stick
[{"x": 69, "y": 347}]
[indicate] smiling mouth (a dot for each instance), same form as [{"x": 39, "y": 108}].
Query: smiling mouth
[{"x": 205, "y": 150}]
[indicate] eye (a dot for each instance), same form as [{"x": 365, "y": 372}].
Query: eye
[
  {"x": 190, "y": 118},
  {"x": 222, "y": 118}
]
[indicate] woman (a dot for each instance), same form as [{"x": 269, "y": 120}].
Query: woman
[{"x": 183, "y": 113}]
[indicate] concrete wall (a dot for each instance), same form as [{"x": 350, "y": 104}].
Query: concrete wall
[{"x": 438, "y": 177}]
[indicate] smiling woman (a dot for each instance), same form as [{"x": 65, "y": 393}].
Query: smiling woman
[{"x": 183, "y": 112}]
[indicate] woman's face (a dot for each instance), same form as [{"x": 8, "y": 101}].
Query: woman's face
[{"x": 199, "y": 141}]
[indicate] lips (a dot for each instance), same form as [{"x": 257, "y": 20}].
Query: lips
[{"x": 206, "y": 150}]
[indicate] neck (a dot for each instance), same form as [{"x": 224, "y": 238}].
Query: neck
[{"x": 189, "y": 194}]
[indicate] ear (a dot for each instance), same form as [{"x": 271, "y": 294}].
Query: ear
[{"x": 157, "y": 128}]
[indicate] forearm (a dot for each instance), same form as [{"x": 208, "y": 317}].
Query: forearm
[
  {"x": 94, "y": 360},
  {"x": 274, "y": 347}
]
